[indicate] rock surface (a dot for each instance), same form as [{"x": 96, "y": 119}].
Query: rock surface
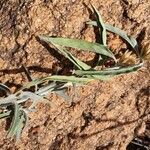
[{"x": 106, "y": 115}]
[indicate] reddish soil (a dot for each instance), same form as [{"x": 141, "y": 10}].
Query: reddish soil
[{"x": 106, "y": 114}]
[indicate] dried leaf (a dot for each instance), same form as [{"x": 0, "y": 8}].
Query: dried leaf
[
  {"x": 128, "y": 58},
  {"x": 145, "y": 52}
]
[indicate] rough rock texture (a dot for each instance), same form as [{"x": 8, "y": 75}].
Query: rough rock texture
[{"x": 106, "y": 115}]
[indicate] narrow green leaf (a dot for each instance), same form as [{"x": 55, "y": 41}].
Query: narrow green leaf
[
  {"x": 26, "y": 95},
  {"x": 46, "y": 89},
  {"x": 26, "y": 119},
  {"x": 101, "y": 26},
  {"x": 78, "y": 63},
  {"x": 9, "y": 100},
  {"x": 100, "y": 77},
  {"x": 4, "y": 114},
  {"x": 92, "y": 23},
  {"x": 79, "y": 44},
  {"x": 134, "y": 42},
  {"x": 135, "y": 45},
  {"x": 5, "y": 88},
  {"x": 20, "y": 126},
  {"x": 72, "y": 79},
  {"x": 59, "y": 78},
  {"x": 15, "y": 120},
  {"x": 102, "y": 32},
  {"x": 111, "y": 71},
  {"x": 118, "y": 31},
  {"x": 36, "y": 97}
]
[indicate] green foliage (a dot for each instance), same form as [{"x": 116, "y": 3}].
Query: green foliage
[
  {"x": 121, "y": 70},
  {"x": 121, "y": 33},
  {"x": 102, "y": 29},
  {"x": 79, "y": 44},
  {"x": 13, "y": 103},
  {"x": 78, "y": 63}
]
